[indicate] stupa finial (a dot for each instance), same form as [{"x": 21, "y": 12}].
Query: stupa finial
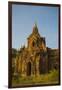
[
  {"x": 35, "y": 24},
  {"x": 35, "y": 28}
]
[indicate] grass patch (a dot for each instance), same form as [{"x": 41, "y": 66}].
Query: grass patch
[{"x": 50, "y": 78}]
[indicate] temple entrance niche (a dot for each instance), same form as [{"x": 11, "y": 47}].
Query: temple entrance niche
[
  {"x": 28, "y": 68},
  {"x": 41, "y": 66}
]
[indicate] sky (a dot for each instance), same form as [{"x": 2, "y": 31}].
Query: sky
[{"x": 24, "y": 18}]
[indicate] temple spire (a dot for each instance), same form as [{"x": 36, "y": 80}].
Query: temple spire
[
  {"x": 35, "y": 24},
  {"x": 35, "y": 28},
  {"x": 35, "y": 31}
]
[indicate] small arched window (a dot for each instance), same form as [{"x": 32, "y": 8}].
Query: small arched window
[{"x": 33, "y": 43}]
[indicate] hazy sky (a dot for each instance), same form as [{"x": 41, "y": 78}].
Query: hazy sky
[{"x": 23, "y": 19}]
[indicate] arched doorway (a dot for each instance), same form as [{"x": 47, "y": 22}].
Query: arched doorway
[
  {"x": 41, "y": 66},
  {"x": 28, "y": 68}
]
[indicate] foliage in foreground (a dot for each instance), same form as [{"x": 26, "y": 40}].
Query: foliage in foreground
[{"x": 50, "y": 78}]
